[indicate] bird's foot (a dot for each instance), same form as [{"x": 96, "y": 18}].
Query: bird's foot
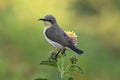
[
  {"x": 54, "y": 55},
  {"x": 54, "y": 58},
  {"x": 63, "y": 51}
]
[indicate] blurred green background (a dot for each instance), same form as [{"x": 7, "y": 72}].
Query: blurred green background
[{"x": 22, "y": 45}]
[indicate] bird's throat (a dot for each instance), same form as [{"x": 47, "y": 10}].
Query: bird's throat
[{"x": 47, "y": 24}]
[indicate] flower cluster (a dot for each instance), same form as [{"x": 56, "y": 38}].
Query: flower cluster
[{"x": 73, "y": 36}]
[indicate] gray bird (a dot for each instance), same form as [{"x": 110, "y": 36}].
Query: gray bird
[{"x": 56, "y": 36}]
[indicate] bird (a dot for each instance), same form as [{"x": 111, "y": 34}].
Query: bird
[{"x": 56, "y": 36}]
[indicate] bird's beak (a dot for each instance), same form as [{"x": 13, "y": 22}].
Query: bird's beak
[{"x": 41, "y": 19}]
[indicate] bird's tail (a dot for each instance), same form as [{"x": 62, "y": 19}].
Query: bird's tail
[{"x": 77, "y": 50}]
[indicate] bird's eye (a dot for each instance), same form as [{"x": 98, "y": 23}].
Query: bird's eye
[{"x": 50, "y": 21}]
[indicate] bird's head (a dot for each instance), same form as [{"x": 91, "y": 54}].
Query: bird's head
[{"x": 48, "y": 20}]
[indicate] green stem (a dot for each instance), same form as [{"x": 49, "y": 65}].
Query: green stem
[
  {"x": 62, "y": 67},
  {"x": 67, "y": 67}
]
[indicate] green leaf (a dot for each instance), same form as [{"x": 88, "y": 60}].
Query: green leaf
[
  {"x": 71, "y": 78},
  {"x": 41, "y": 79},
  {"x": 76, "y": 68},
  {"x": 50, "y": 63}
]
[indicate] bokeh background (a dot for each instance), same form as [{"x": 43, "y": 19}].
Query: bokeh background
[{"x": 22, "y": 44}]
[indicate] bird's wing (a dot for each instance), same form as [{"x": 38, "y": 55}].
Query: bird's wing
[{"x": 58, "y": 35}]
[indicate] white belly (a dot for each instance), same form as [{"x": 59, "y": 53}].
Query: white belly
[{"x": 54, "y": 44}]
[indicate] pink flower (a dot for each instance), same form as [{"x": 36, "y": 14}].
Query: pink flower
[{"x": 73, "y": 36}]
